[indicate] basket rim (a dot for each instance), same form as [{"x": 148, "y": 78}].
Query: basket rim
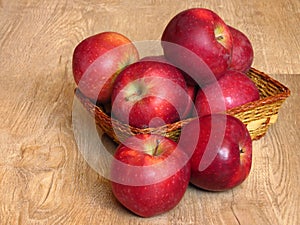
[{"x": 96, "y": 109}]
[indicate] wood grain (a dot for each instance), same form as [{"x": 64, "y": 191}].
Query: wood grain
[{"x": 44, "y": 179}]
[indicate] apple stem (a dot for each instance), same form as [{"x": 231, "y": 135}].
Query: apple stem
[{"x": 156, "y": 147}]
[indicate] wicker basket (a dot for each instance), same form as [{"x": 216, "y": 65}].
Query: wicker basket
[{"x": 257, "y": 115}]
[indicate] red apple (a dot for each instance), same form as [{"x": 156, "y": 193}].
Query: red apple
[
  {"x": 150, "y": 174},
  {"x": 149, "y": 94},
  {"x": 223, "y": 155},
  {"x": 201, "y": 44},
  {"x": 242, "y": 51},
  {"x": 97, "y": 61},
  {"x": 236, "y": 89}
]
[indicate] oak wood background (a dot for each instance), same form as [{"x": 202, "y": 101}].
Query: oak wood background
[{"x": 43, "y": 177}]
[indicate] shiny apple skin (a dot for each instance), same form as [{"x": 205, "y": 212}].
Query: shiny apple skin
[
  {"x": 242, "y": 51},
  {"x": 149, "y": 94},
  {"x": 97, "y": 61},
  {"x": 234, "y": 88},
  {"x": 221, "y": 162},
  {"x": 196, "y": 30},
  {"x": 147, "y": 192}
]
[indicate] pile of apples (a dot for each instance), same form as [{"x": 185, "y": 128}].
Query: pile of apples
[{"x": 201, "y": 74}]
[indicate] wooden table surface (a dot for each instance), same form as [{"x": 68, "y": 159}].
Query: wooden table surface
[{"x": 44, "y": 179}]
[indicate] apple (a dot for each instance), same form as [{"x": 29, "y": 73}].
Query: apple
[
  {"x": 223, "y": 154},
  {"x": 199, "y": 42},
  {"x": 236, "y": 89},
  {"x": 149, "y": 94},
  {"x": 150, "y": 174},
  {"x": 242, "y": 51},
  {"x": 97, "y": 61}
]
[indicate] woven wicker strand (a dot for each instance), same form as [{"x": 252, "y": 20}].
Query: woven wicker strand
[{"x": 257, "y": 115}]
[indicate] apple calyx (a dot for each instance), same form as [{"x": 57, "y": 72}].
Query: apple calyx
[
  {"x": 242, "y": 150},
  {"x": 242, "y": 153}
]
